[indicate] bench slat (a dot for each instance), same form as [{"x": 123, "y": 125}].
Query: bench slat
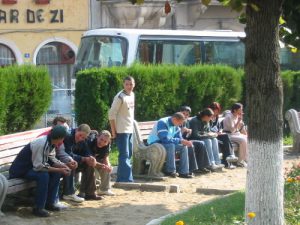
[
  {"x": 4, "y": 168},
  {"x": 10, "y": 152},
  {"x": 7, "y": 160},
  {"x": 21, "y": 186},
  {"x": 9, "y": 146},
  {"x": 22, "y": 135}
]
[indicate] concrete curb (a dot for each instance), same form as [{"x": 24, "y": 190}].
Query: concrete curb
[
  {"x": 173, "y": 188},
  {"x": 161, "y": 219}
]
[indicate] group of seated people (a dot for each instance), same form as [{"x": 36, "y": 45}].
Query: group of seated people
[
  {"x": 61, "y": 153},
  {"x": 200, "y": 139}
]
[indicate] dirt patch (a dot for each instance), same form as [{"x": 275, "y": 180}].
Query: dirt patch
[{"x": 136, "y": 207}]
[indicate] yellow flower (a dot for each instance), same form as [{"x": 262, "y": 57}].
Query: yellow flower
[
  {"x": 294, "y": 50},
  {"x": 290, "y": 179},
  {"x": 251, "y": 215},
  {"x": 180, "y": 222}
]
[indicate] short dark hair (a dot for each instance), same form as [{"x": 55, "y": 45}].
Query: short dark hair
[
  {"x": 205, "y": 112},
  {"x": 178, "y": 116},
  {"x": 130, "y": 78},
  {"x": 58, "y": 132},
  {"x": 185, "y": 108},
  {"x": 236, "y": 106},
  {"x": 59, "y": 119}
]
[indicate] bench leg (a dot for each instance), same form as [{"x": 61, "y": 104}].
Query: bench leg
[
  {"x": 157, "y": 158},
  {"x": 3, "y": 191}
]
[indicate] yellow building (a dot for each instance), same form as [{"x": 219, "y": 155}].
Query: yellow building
[{"x": 45, "y": 32}]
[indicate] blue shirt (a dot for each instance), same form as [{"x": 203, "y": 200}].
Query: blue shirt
[{"x": 165, "y": 132}]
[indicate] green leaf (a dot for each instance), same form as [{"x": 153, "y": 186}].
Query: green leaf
[
  {"x": 205, "y": 2},
  {"x": 281, "y": 20},
  {"x": 242, "y": 18},
  {"x": 254, "y": 7}
]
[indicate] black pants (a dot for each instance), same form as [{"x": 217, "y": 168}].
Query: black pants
[
  {"x": 200, "y": 154},
  {"x": 225, "y": 147}
]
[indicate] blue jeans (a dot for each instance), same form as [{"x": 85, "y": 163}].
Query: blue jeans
[
  {"x": 184, "y": 158},
  {"x": 212, "y": 147},
  {"x": 124, "y": 144},
  {"x": 47, "y": 185}
]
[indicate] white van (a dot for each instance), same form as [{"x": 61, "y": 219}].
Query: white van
[{"x": 120, "y": 47}]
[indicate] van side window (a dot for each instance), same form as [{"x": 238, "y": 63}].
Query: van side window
[
  {"x": 169, "y": 52},
  {"x": 230, "y": 53}
]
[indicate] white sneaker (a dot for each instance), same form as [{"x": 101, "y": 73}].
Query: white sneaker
[
  {"x": 73, "y": 198},
  {"x": 220, "y": 165},
  {"x": 61, "y": 205},
  {"x": 108, "y": 192},
  {"x": 231, "y": 158},
  {"x": 242, "y": 164}
]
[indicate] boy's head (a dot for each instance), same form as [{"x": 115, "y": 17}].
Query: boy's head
[
  {"x": 186, "y": 111},
  {"x": 82, "y": 132},
  {"x": 178, "y": 119},
  {"x": 128, "y": 84},
  {"x": 103, "y": 138},
  {"x": 57, "y": 135},
  {"x": 59, "y": 120}
]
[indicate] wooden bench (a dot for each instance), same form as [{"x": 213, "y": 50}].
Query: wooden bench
[
  {"x": 292, "y": 116},
  {"x": 154, "y": 154},
  {"x": 10, "y": 146}
]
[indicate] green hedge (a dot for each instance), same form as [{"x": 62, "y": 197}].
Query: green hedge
[
  {"x": 160, "y": 90},
  {"x": 25, "y": 96}
]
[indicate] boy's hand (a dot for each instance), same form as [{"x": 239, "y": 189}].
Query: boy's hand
[{"x": 72, "y": 164}]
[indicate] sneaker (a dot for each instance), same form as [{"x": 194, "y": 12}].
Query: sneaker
[
  {"x": 93, "y": 197},
  {"x": 220, "y": 165},
  {"x": 61, "y": 205},
  {"x": 73, "y": 198},
  {"x": 53, "y": 208},
  {"x": 172, "y": 174},
  {"x": 231, "y": 158},
  {"x": 230, "y": 166},
  {"x": 108, "y": 192},
  {"x": 202, "y": 171},
  {"x": 40, "y": 212},
  {"x": 241, "y": 164},
  {"x": 215, "y": 168},
  {"x": 186, "y": 176}
]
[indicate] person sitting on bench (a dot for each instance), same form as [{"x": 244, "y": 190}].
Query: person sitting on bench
[{"x": 36, "y": 161}]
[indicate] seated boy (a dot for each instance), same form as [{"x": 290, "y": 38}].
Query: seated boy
[
  {"x": 36, "y": 161},
  {"x": 100, "y": 148}
]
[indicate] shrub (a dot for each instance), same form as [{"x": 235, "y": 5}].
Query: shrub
[
  {"x": 160, "y": 90},
  {"x": 27, "y": 97}
]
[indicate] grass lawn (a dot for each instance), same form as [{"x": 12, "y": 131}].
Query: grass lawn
[
  {"x": 222, "y": 211},
  {"x": 113, "y": 155},
  {"x": 230, "y": 210}
]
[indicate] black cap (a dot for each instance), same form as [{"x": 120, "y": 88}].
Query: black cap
[{"x": 58, "y": 132}]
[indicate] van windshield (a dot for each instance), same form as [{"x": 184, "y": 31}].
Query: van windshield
[{"x": 101, "y": 51}]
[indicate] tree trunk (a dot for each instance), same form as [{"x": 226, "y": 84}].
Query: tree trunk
[{"x": 264, "y": 189}]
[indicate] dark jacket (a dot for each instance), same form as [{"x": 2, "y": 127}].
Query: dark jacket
[{"x": 76, "y": 150}]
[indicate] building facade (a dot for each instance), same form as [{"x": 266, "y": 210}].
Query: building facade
[
  {"x": 48, "y": 32},
  {"x": 45, "y": 32}
]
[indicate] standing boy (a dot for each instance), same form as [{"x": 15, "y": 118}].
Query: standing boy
[{"x": 121, "y": 117}]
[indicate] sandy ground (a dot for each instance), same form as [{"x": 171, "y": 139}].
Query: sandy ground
[{"x": 134, "y": 207}]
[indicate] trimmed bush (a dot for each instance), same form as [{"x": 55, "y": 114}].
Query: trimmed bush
[
  {"x": 160, "y": 90},
  {"x": 27, "y": 97}
]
